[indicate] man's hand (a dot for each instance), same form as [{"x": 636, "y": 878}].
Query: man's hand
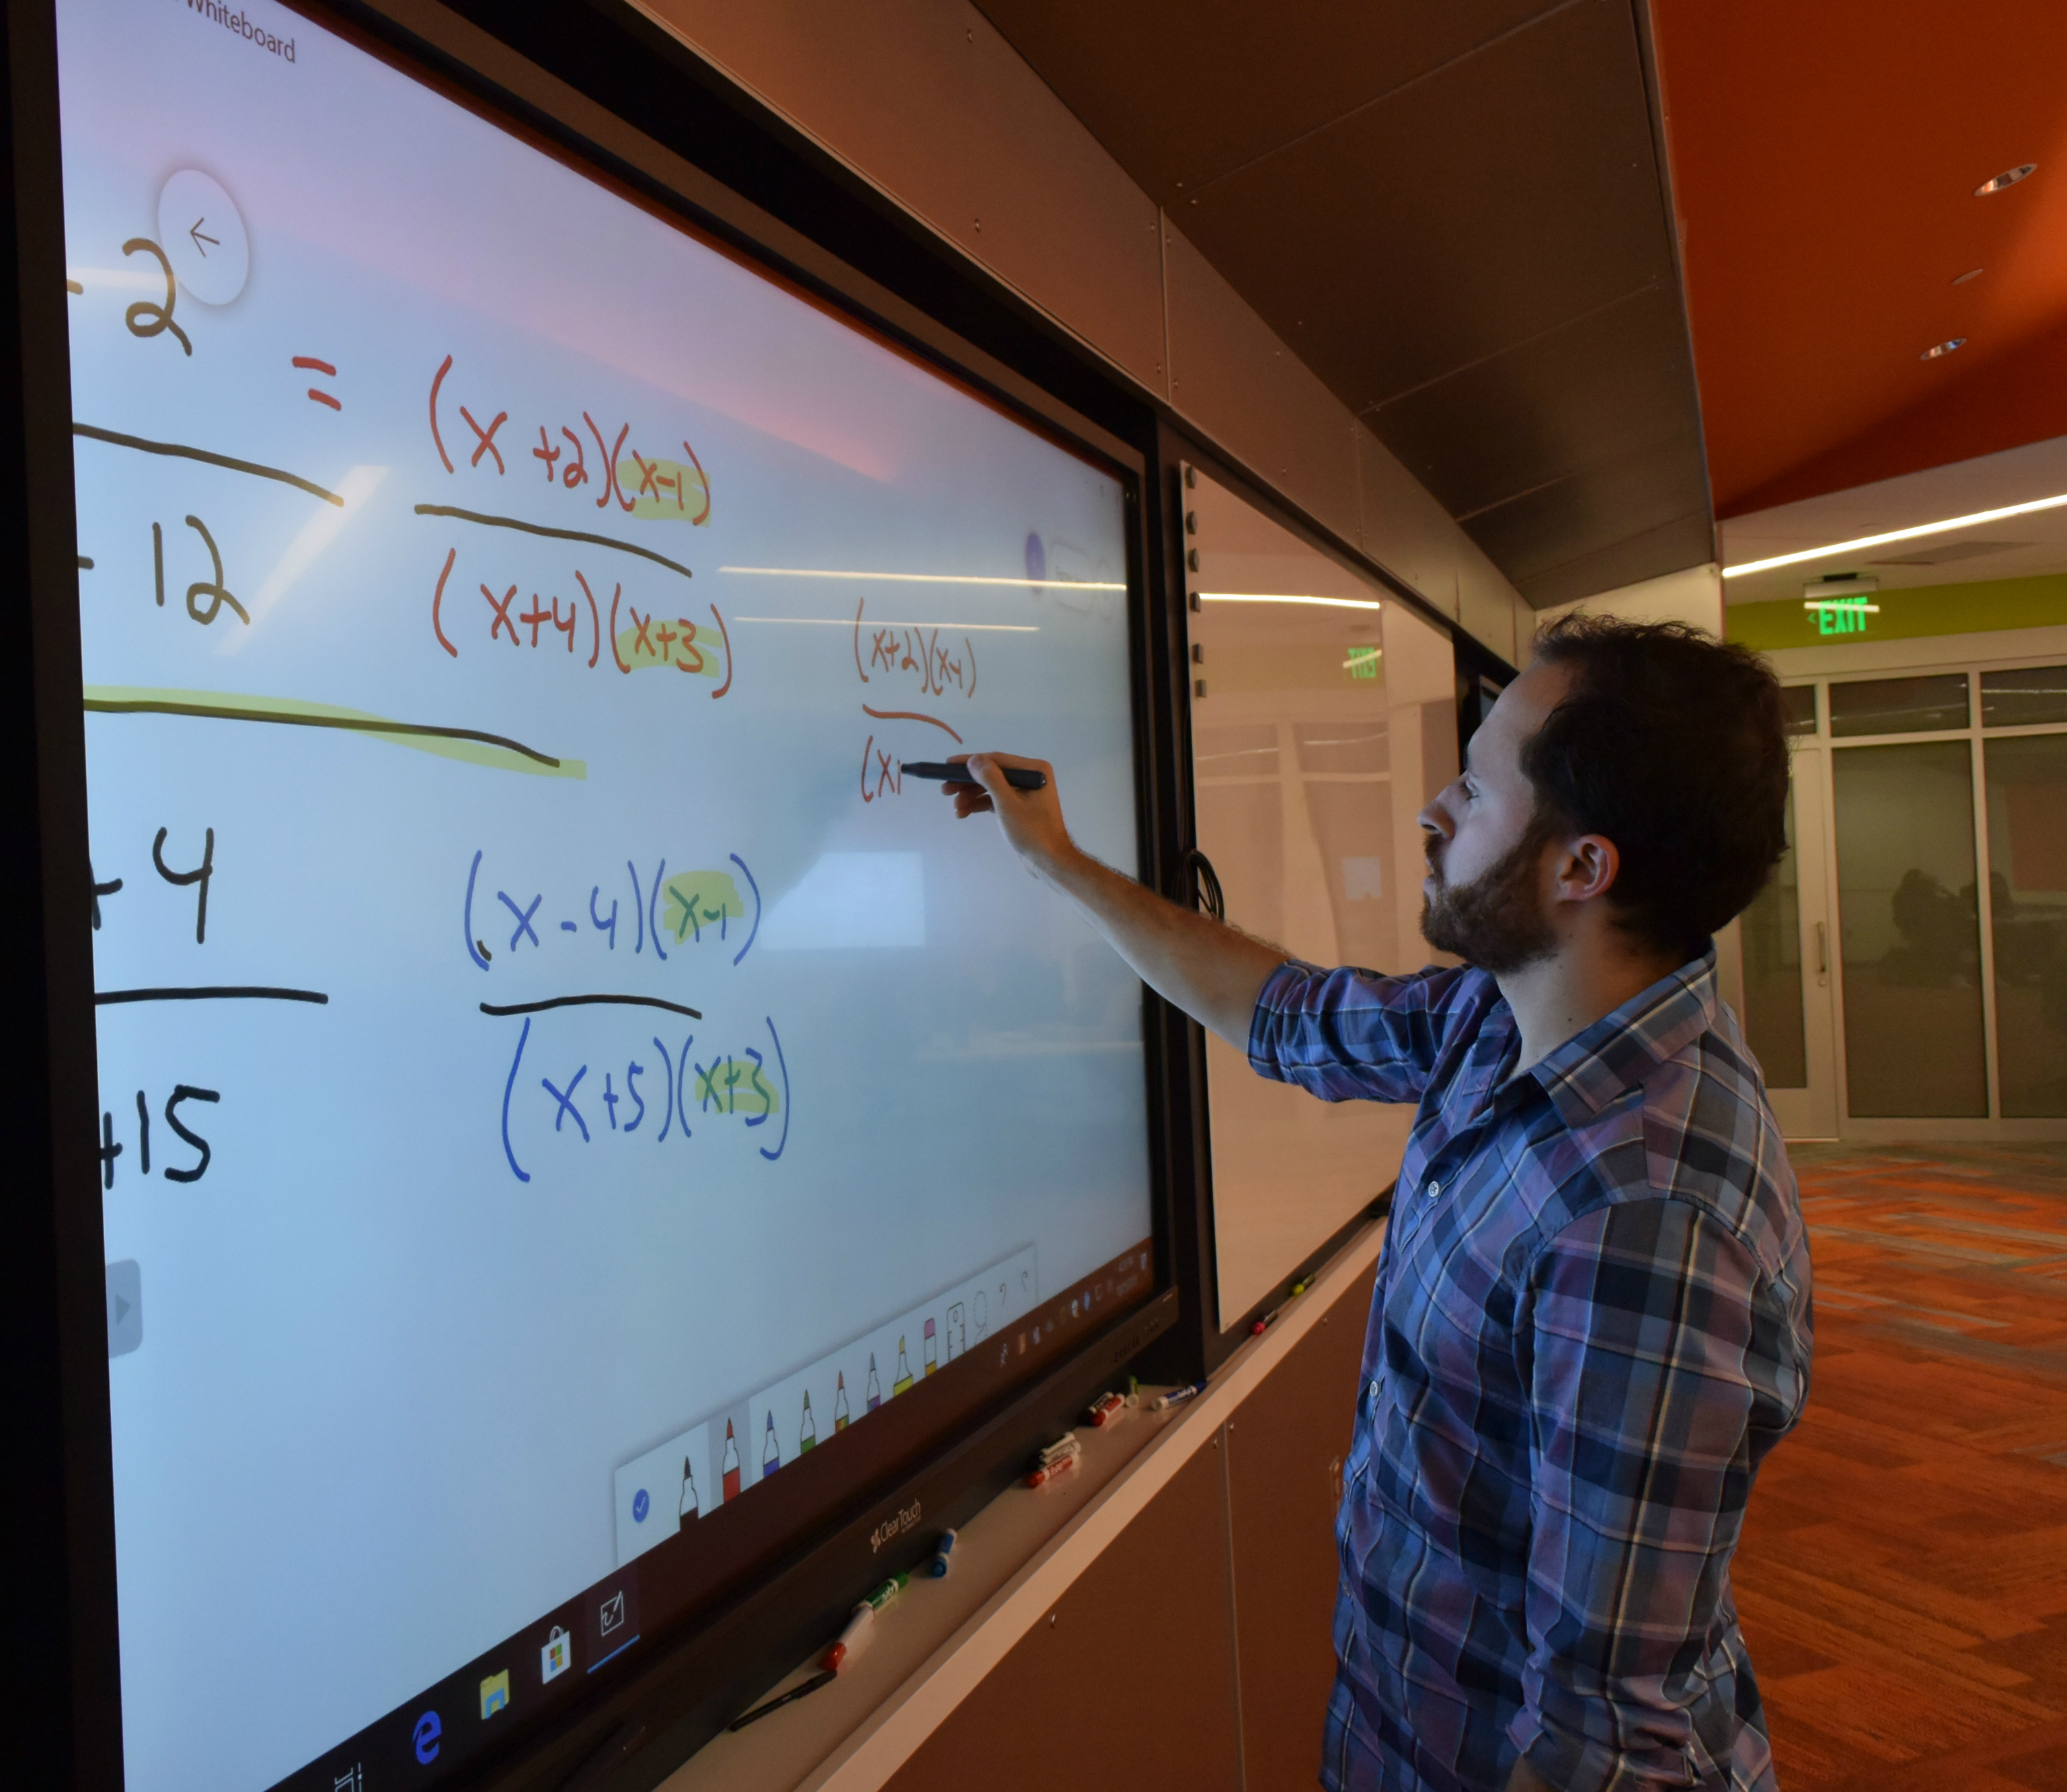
[
  {"x": 1032, "y": 819},
  {"x": 1211, "y": 971}
]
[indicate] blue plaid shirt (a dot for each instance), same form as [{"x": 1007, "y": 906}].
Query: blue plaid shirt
[{"x": 1591, "y": 1322}]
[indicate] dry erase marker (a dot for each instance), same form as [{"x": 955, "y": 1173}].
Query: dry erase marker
[
  {"x": 1041, "y": 1476},
  {"x": 953, "y": 772},
  {"x": 888, "y": 1591},
  {"x": 1178, "y": 1395},
  {"x": 1106, "y": 1408},
  {"x": 938, "y": 1567},
  {"x": 850, "y": 1639},
  {"x": 823, "y": 1678}
]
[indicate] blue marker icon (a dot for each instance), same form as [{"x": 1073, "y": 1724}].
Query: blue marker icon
[{"x": 640, "y": 1506}]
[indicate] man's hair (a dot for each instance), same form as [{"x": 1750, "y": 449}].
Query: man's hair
[{"x": 1674, "y": 746}]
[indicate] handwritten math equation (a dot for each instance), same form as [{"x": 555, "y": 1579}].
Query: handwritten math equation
[
  {"x": 912, "y": 653},
  {"x": 112, "y": 1148},
  {"x": 206, "y": 598},
  {"x": 655, "y": 487},
  {"x": 668, "y": 1093},
  {"x": 691, "y": 909},
  {"x": 147, "y": 319},
  {"x": 638, "y": 640},
  {"x": 905, "y": 650},
  {"x": 197, "y": 878}
]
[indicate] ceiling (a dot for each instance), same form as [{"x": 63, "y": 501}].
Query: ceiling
[
  {"x": 2016, "y": 547},
  {"x": 1825, "y": 159},
  {"x": 1456, "y": 215}
]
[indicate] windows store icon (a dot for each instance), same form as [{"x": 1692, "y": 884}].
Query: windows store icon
[{"x": 557, "y": 1656}]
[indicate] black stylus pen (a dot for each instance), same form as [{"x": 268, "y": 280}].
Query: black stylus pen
[
  {"x": 954, "y": 772},
  {"x": 790, "y": 1697}
]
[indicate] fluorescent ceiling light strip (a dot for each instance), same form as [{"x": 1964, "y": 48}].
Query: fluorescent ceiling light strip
[
  {"x": 921, "y": 578},
  {"x": 1329, "y": 603},
  {"x": 848, "y": 622},
  {"x": 1838, "y": 603},
  {"x": 1950, "y": 523}
]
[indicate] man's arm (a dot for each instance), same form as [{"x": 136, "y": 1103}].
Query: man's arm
[{"x": 1213, "y": 972}]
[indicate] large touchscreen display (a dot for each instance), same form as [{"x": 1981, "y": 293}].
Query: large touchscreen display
[{"x": 556, "y": 1072}]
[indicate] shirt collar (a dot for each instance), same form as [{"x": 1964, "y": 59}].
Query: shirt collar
[{"x": 1615, "y": 1054}]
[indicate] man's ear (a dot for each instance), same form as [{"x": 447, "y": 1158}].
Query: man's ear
[{"x": 1587, "y": 866}]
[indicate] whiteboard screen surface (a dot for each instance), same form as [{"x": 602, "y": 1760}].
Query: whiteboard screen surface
[{"x": 494, "y": 598}]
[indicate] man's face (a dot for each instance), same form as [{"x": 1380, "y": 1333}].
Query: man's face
[{"x": 1484, "y": 894}]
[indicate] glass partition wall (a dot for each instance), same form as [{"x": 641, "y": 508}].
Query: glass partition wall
[
  {"x": 1945, "y": 850},
  {"x": 1323, "y": 717}
]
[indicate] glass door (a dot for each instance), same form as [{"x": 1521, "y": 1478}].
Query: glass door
[
  {"x": 1909, "y": 906},
  {"x": 1945, "y": 852},
  {"x": 1789, "y": 1015},
  {"x": 2025, "y": 759}
]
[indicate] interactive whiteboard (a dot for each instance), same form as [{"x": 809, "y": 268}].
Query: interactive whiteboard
[{"x": 553, "y": 1070}]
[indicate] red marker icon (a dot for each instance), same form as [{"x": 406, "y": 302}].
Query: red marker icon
[{"x": 730, "y": 1467}]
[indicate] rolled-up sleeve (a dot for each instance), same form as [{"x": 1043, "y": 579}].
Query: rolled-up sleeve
[
  {"x": 1647, "y": 1384},
  {"x": 1349, "y": 1035}
]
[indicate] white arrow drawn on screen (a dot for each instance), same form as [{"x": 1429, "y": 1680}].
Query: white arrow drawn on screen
[{"x": 194, "y": 231}]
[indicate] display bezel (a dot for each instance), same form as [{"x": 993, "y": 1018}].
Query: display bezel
[{"x": 688, "y": 1684}]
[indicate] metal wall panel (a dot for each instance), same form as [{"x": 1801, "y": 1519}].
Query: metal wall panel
[
  {"x": 1227, "y": 94},
  {"x": 927, "y": 101},
  {"x": 1505, "y": 195},
  {"x": 1250, "y": 395},
  {"x": 1403, "y": 528},
  {"x": 1285, "y": 1445},
  {"x": 1130, "y": 1685},
  {"x": 929, "y": 104},
  {"x": 1485, "y": 604}
]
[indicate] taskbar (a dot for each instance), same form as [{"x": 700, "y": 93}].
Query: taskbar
[{"x": 543, "y": 1671}]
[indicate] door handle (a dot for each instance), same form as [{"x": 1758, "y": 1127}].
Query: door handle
[{"x": 1822, "y": 954}]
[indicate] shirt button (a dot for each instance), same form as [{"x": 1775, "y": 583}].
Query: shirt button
[
  {"x": 1434, "y": 1188},
  {"x": 1374, "y": 1390}
]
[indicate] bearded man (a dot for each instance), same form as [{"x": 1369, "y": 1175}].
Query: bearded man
[{"x": 1592, "y": 1315}]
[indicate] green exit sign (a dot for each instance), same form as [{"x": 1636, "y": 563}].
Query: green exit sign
[
  {"x": 1841, "y": 615},
  {"x": 1363, "y": 662}
]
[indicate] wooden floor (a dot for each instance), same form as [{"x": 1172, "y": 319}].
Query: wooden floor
[{"x": 1903, "y": 1574}]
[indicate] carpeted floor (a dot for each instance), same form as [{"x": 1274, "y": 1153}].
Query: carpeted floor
[{"x": 1903, "y": 1573}]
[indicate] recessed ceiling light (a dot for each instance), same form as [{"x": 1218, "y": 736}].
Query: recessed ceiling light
[
  {"x": 1971, "y": 274},
  {"x": 1938, "y": 350},
  {"x": 2008, "y": 178}
]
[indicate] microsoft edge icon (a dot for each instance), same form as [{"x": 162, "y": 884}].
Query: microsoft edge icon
[
  {"x": 640, "y": 1506},
  {"x": 425, "y": 1736}
]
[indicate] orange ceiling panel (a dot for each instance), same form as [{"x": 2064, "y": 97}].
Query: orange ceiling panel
[{"x": 1824, "y": 159}]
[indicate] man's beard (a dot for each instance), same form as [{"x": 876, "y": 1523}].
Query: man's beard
[{"x": 1497, "y": 920}]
